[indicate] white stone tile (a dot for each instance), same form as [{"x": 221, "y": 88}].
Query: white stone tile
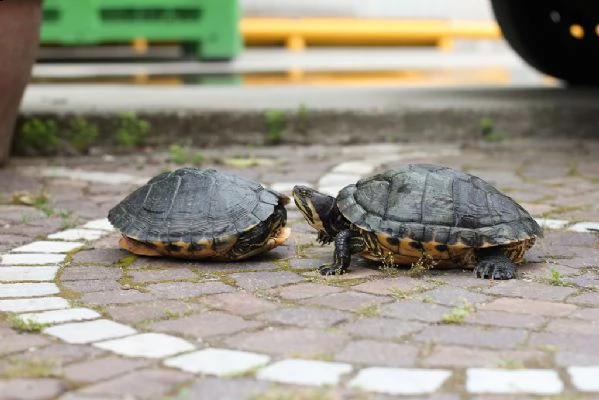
[
  {"x": 337, "y": 179},
  {"x": 91, "y": 331},
  {"x": 46, "y": 246},
  {"x": 149, "y": 345},
  {"x": 400, "y": 381},
  {"x": 549, "y": 223},
  {"x": 22, "y": 274},
  {"x": 354, "y": 167},
  {"x": 331, "y": 190},
  {"x": 219, "y": 362},
  {"x": 501, "y": 381},
  {"x": 101, "y": 224},
  {"x": 32, "y": 259},
  {"x": 585, "y": 379},
  {"x": 305, "y": 372},
  {"x": 27, "y": 289},
  {"x": 585, "y": 227},
  {"x": 286, "y": 187},
  {"x": 60, "y": 316},
  {"x": 35, "y": 304},
  {"x": 78, "y": 234}
]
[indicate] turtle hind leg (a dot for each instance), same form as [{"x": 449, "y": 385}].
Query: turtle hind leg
[
  {"x": 347, "y": 242},
  {"x": 492, "y": 263}
]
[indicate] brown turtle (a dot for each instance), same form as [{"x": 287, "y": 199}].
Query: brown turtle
[
  {"x": 201, "y": 213},
  {"x": 416, "y": 210}
]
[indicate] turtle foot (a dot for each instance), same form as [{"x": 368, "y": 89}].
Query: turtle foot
[
  {"x": 330, "y": 269},
  {"x": 495, "y": 267}
]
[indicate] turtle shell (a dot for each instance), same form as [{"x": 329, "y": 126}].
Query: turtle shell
[
  {"x": 423, "y": 207},
  {"x": 194, "y": 210}
]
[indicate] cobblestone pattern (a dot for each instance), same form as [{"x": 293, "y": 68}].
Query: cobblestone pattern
[{"x": 115, "y": 325}]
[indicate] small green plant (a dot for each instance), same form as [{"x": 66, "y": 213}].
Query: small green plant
[
  {"x": 31, "y": 368},
  {"x": 182, "y": 155},
  {"x": 556, "y": 278},
  {"x": 301, "y": 119},
  {"x": 510, "y": 363},
  {"x": 275, "y": 123},
  {"x": 131, "y": 130},
  {"x": 198, "y": 158},
  {"x": 372, "y": 310},
  {"x": 488, "y": 131},
  {"x": 39, "y": 136},
  {"x": 420, "y": 267},
  {"x": 81, "y": 134},
  {"x": 23, "y": 325},
  {"x": 458, "y": 314},
  {"x": 68, "y": 219}
]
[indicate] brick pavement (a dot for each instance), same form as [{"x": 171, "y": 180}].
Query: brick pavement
[{"x": 116, "y": 326}]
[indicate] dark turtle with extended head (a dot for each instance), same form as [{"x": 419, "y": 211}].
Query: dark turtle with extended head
[
  {"x": 201, "y": 213},
  {"x": 417, "y": 210}
]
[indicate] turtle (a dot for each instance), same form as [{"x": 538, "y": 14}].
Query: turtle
[
  {"x": 198, "y": 213},
  {"x": 402, "y": 214}
]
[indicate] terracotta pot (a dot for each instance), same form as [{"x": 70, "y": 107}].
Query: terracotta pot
[{"x": 19, "y": 39}]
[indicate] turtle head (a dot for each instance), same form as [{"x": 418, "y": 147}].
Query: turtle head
[{"x": 316, "y": 207}]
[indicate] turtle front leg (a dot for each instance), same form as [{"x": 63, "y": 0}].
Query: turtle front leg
[
  {"x": 492, "y": 263},
  {"x": 347, "y": 242}
]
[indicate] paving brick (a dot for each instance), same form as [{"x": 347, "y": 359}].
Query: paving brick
[
  {"x": 589, "y": 299},
  {"x": 561, "y": 341},
  {"x": 220, "y": 362},
  {"x": 82, "y": 273},
  {"x": 102, "y": 368},
  {"x": 305, "y": 372},
  {"x": 151, "y": 310},
  {"x": 386, "y": 285},
  {"x": 400, "y": 381},
  {"x": 21, "y": 274},
  {"x": 102, "y": 224},
  {"x": 506, "y": 319},
  {"x": 59, "y": 316},
  {"x": 34, "y": 304},
  {"x": 77, "y": 234},
  {"x": 240, "y": 303},
  {"x": 89, "y": 331},
  {"x": 31, "y": 259},
  {"x": 98, "y": 256},
  {"x": 304, "y": 291},
  {"x": 143, "y": 384},
  {"x": 572, "y": 326},
  {"x": 530, "y": 290},
  {"x": 581, "y": 357},
  {"x": 179, "y": 290},
  {"x": 147, "y": 345},
  {"x": 350, "y": 301},
  {"x": 591, "y": 314},
  {"x": 415, "y": 310},
  {"x": 584, "y": 379},
  {"x": 499, "y": 338},
  {"x": 264, "y": 280},
  {"x": 527, "y": 306},
  {"x": 305, "y": 317},
  {"x": 116, "y": 297},
  {"x": 46, "y": 246},
  {"x": 227, "y": 388},
  {"x": 535, "y": 381},
  {"x": 27, "y": 289},
  {"x": 459, "y": 357},
  {"x": 289, "y": 342},
  {"x": 371, "y": 352},
  {"x": 381, "y": 328},
  {"x": 205, "y": 325},
  {"x": 31, "y": 389},
  {"x": 92, "y": 285},
  {"x": 170, "y": 274},
  {"x": 16, "y": 343},
  {"x": 453, "y": 296},
  {"x": 63, "y": 353}
]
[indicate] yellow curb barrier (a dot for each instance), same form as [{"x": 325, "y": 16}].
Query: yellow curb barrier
[{"x": 297, "y": 33}]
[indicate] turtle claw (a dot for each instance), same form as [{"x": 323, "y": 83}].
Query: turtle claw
[
  {"x": 330, "y": 269},
  {"x": 497, "y": 267}
]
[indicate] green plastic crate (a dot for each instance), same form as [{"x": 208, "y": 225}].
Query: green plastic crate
[{"x": 208, "y": 28}]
